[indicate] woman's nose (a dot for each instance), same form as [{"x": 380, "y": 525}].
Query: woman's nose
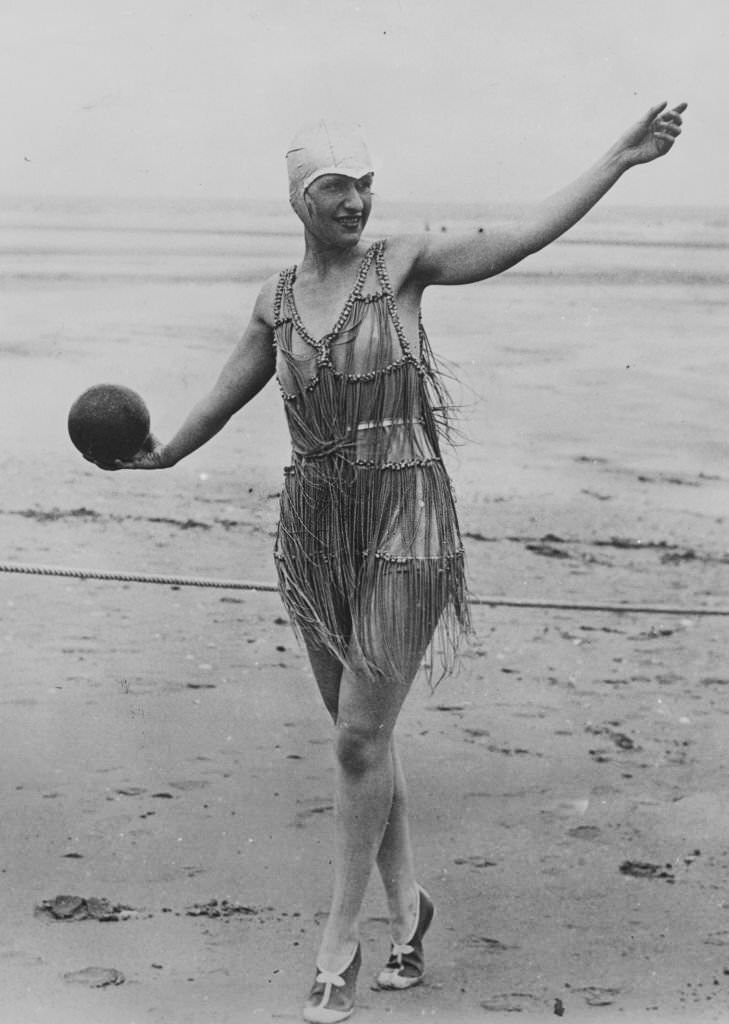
[{"x": 352, "y": 199}]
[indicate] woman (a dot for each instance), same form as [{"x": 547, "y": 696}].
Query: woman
[{"x": 368, "y": 550}]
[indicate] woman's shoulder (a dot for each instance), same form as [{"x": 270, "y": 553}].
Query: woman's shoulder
[
  {"x": 403, "y": 245},
  {"x": 401, "y": 253},
  {"x": 267, "y": 299}
]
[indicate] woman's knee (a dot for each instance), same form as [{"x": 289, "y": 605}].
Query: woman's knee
[{"x": 360, "y": 748}]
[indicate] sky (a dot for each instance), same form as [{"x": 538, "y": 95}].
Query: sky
[{"x": 462, "y": 100}]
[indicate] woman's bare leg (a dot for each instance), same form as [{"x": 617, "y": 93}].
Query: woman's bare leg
[
  {"x": 371, "y": 818},
  {"x": 364, "y": 794},
  {"x": 395, "y": 859},
  {"x": 395, "y": 856}
]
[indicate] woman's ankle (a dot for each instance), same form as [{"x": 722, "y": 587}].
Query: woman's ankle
[
  {"x": 336, "y": 960},
  {"x": 403, "y": 913}
]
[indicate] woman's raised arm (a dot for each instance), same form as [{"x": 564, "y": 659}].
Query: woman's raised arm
[{"x": 464, "y": 259}]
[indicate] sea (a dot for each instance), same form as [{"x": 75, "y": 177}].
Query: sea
[{"x": 77, "y": 240}]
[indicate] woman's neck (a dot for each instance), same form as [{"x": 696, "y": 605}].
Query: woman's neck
[{"x": 321, "y": 258}]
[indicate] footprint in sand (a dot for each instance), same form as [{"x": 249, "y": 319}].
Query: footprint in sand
[
  {"x": 584, "y": 832},
  {"x": 455, "y": 708},
  {"x": 476, "y": 732},
  {"x": 475, "y": 861},
  {"x": 303, "y": 815},
  {"x": 222, "y": 908},
  {"x": 95, "y": 977},
  {"x": 596, "y": 996},
  {"x": 644, "y": 869},
  {"x": 80, "y": 908},
  {"x": 511, "y": 1002},
  {"x": 490, "y": 945}
]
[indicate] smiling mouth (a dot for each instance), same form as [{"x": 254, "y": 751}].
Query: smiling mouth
[{"x": 351, "y": 223}]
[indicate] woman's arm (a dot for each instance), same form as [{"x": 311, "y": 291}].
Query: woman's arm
[
  {"x": 474, "y": 258},
  {"x": 249, "y": 367}
]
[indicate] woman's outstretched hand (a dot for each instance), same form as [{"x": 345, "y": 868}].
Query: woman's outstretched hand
[
  {"x": 152, "y": 455},
  {"x": 653, "y": 135}
]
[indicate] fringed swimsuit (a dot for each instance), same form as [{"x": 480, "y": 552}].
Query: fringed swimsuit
[{"x": 368, "y": 550}]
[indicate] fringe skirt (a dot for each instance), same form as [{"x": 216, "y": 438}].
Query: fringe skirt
[{"x": 370, "y": 562}]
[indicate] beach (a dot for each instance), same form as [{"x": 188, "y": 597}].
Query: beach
[{"x": 163, "y": 746}]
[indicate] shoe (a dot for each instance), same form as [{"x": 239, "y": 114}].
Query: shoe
[
  {"x": 332, "y": 995},
  {"x": 406, "y": 965}
]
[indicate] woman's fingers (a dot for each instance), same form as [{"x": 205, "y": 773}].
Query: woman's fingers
[
  {"x": 666, "y": 126},
  {"x": 655, "y": 111},
  {"x": 674, "y": 130},
  {"x": 670, "y": 118}
]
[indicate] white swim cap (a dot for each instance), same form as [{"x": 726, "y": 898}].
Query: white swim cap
[{"x": 325, "y": 147}]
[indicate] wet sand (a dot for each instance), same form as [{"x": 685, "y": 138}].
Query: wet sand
[{"x": 164, "y": 748}]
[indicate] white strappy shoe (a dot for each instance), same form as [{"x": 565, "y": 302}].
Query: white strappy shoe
[
  {"x": 332, "y": 995},
  {"x": 406, "y": 964}
]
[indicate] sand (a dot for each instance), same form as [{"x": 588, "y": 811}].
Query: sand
[{"x": 163, "y": 747}]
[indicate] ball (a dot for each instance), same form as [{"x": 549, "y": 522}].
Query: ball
[{"x": 108, "y": 422}]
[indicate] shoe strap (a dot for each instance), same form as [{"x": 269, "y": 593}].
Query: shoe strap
[
  {"x": 330, "y": 978},
  {"x": 400, "y": 951}
]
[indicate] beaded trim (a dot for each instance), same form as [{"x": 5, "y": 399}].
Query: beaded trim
[
  {"x": 352, "y": 378},
  {"x": 284, "y": 289},
  {"x": 417, "y": 561},
  {"x": 403, "y": 464},
  {"x": 399, "y": 422},
  {"x": 278, "y": 297},
  {"x": 384, "y": 278},
  {"x": 281, "y": 321},
  {"x": 323, "y": 344},
  {"x": 337, "y": 447}
]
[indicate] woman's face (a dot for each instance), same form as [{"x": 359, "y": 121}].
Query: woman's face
[{"x": 339, "y": 207}]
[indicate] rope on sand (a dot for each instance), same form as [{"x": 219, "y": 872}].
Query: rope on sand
[
  {"x": 493, "y": 602},
  {"x": 134, "y": 577}
]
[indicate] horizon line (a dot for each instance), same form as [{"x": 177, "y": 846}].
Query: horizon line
[{"x": 223, "y": 197}]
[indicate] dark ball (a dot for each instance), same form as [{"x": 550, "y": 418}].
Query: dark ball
[{"x": 108, "y": 422}]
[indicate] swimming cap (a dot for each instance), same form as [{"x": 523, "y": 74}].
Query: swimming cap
[{"x": 325, "y": 147}]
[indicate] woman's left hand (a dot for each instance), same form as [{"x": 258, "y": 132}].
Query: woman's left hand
[
  {"x": 653, "y": 135},
  {"x": 152, "y": 455}
]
